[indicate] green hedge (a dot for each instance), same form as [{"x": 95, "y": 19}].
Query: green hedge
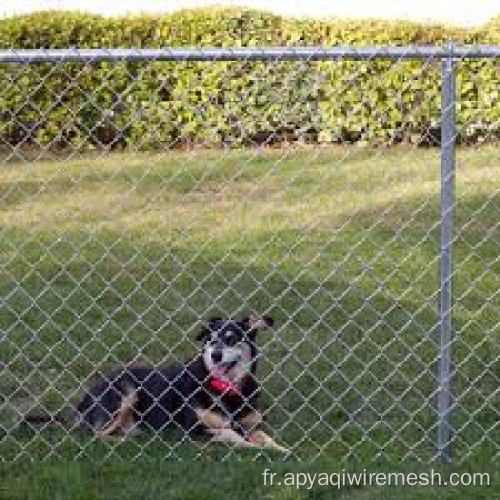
[{"x": 148, "y": 105}]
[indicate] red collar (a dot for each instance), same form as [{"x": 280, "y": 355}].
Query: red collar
[{"x": 225, "y": 387}]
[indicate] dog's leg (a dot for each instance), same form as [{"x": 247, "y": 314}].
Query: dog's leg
[
  {"x": 232, "y": 437},
  {"x": 212, "y": 420},
  {"x": 261, "y": 439},
  {"x": 129, "y": 426},
  {"x": 124, "y": 417},
  {"x": 220, "y": 428},
  {"x": 250, "y": 421}
]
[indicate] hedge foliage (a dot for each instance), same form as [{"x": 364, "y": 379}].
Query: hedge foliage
[{"x": 149, "y": 105}]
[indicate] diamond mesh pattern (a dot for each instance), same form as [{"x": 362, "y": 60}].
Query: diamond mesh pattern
[{"x": 117, "y": 241}]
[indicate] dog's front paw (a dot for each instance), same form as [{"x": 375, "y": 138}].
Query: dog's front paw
[
  {"x": 261, "y": 439},
  {"x": 229, "y": 436}
]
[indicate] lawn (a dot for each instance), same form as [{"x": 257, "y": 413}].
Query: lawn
[
  {"x": 119, "y": 258},
  {"x": 188, "y": 480}
]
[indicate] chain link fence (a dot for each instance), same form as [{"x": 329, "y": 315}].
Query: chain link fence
[{"x": 135, "y": 208}]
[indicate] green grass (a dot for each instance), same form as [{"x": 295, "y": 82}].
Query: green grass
[
  {"x": 105, "y": 259},
  {"x": 183, "y": 480}
]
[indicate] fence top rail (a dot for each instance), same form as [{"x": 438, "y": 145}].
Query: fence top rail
[{"x": 248, "y": 54}]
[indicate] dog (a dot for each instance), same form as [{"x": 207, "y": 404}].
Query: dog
[{"x": 213, "y": 394}]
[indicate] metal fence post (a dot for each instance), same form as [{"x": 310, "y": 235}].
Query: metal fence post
[{"x": 447, "y": 204}]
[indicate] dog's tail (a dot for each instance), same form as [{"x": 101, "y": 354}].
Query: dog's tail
[{"x": 47, "y": 420}]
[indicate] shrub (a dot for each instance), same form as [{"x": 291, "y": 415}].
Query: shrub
[{"x": 147, "y": 105}]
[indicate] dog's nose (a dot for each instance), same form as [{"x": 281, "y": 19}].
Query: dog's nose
[{"x": 216, "y": 356}]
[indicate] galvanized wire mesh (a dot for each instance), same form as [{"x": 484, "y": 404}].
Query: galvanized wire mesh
[{"x": 139, "y": 216}]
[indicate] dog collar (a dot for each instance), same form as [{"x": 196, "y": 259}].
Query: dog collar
[{"x": 225, "y": 387}]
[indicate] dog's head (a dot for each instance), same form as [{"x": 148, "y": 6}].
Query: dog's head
[{"x": 230, "y": 342}]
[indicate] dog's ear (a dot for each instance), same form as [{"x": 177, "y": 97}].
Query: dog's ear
[
  {"x": 204, "y": 334},
  {"x": 213, "y": 324},
  {"x": 256, "y": 323}
]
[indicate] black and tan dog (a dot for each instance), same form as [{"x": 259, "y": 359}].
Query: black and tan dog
[{"x": 214, "y": 393}]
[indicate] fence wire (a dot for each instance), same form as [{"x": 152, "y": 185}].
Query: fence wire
[{"x": 144, "y": 192}]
